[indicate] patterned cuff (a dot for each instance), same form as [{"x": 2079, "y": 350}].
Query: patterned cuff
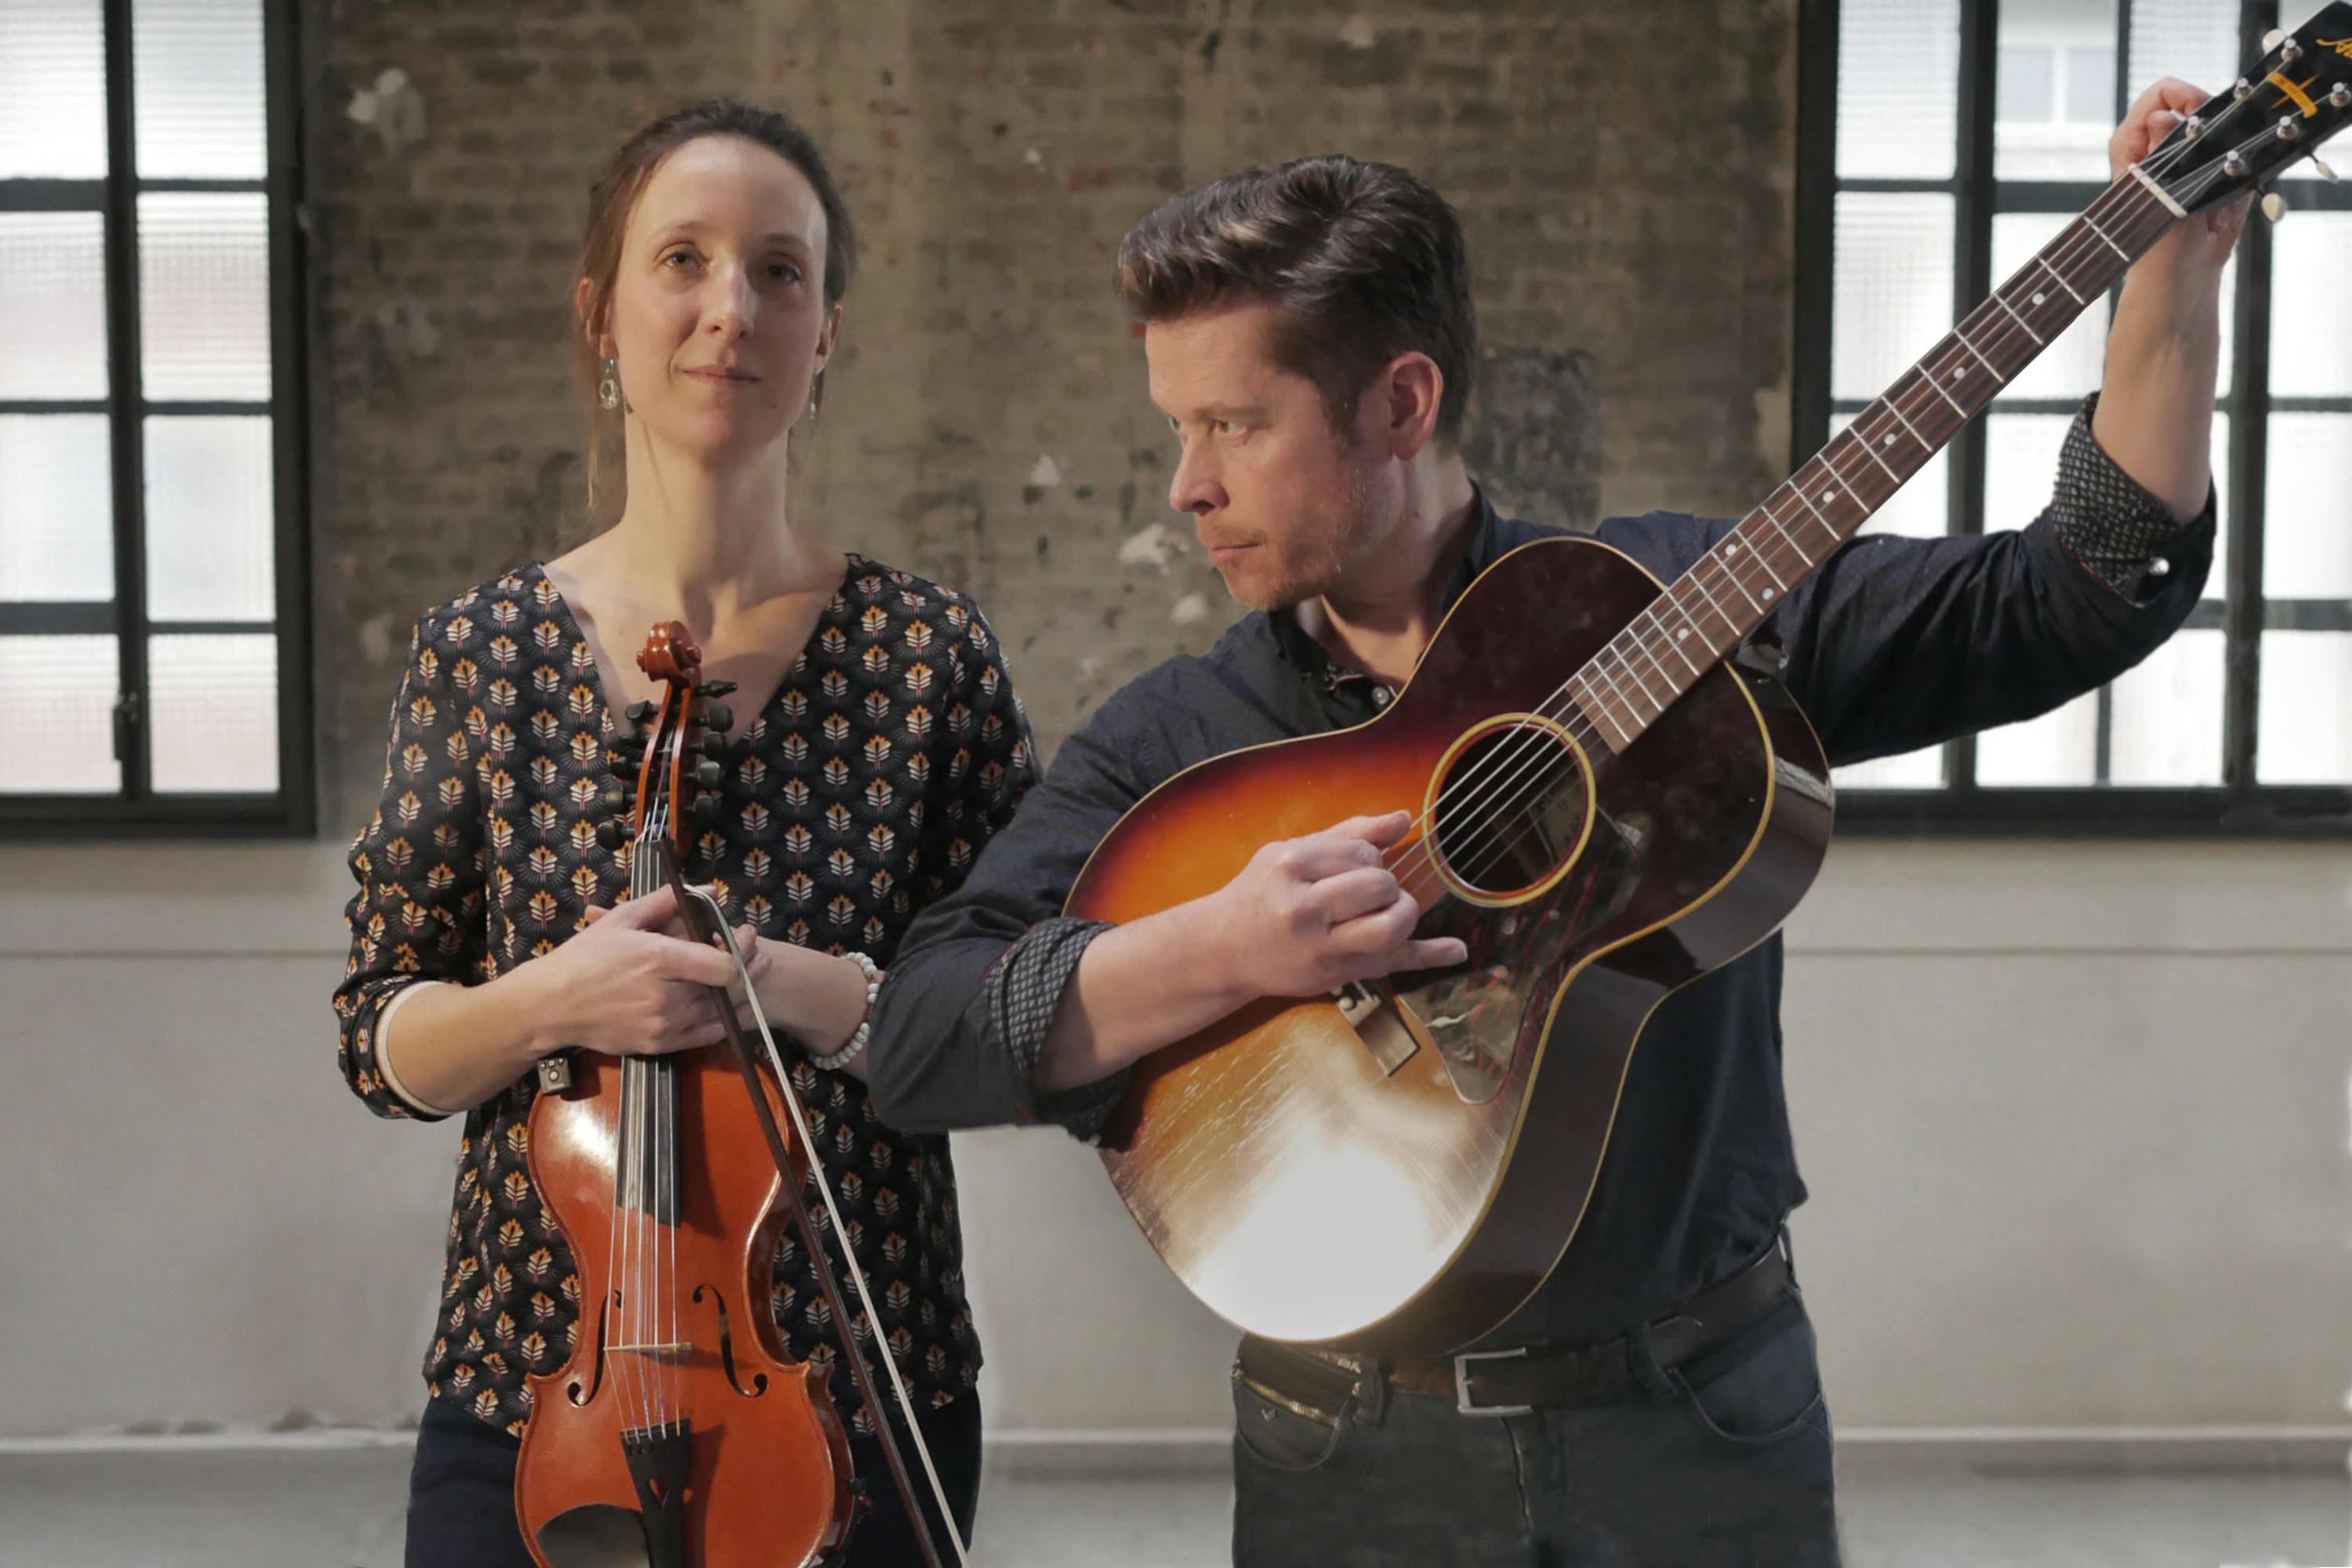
[
  {"x": 2119, "y": 532},
  {"x": 1024, "y": 992}
]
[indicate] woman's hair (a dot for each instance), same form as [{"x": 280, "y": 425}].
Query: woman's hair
[
  {"x": 614, "y": 196},
  {"x": 1361, "y": 262}
]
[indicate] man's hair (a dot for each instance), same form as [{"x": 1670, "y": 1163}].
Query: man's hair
[{"x": 1361, "y": 261}]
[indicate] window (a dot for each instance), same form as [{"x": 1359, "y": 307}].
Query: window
[
  {"x": 153, "y": 657},
  {"x": 1941, "y": 143}
]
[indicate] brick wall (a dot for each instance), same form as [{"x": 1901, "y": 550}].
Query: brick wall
[{"x": 1623, "y": 174}]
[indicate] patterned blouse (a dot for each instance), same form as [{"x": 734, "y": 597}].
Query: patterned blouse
[{"x": 889, "y": 754}]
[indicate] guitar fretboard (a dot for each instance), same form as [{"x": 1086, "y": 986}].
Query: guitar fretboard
[{"x": 1702, "y": 615}]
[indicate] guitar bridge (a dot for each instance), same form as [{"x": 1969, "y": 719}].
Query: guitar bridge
[{"x": 1389, "y": 1030}]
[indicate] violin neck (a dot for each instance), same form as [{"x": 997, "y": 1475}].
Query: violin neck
[{"x": 647, "y": 1166}]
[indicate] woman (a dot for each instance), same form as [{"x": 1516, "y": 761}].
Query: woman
[{"x": 878, "y": 747}]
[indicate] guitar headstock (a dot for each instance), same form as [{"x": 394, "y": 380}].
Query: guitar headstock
[
  {"x": 2294, "y": 97},
  {"x": 670, "y": 768}
]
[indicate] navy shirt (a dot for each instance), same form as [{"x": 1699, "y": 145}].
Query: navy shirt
[{"x": 1894, "y": 644}]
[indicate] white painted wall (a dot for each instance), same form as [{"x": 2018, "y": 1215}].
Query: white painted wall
[{"x": 2073, "y": 1116}]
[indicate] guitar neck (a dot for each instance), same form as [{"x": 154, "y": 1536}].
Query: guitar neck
[{"x": 1702, "y": 617}]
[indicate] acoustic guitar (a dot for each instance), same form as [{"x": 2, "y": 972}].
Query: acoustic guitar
[{"x": 1607, "y": 802}]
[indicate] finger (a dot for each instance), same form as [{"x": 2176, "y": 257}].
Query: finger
[
  {"x": 654, "y": 910},
  {"x": 1354, "y": 893},
  {"x": 1433, "y": 952},
  {"x": 1382, "y": 929},
  {"x": 1378, "y": 831},
  {"x": 691, "y": 962},
  {"x": 593, "y": 915},
  {"x": 2150, "y": 119}
]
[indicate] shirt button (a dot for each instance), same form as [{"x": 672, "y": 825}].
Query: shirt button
[
  {"x": 1383, "y": 696},
  {"x": 2160, "y": 567}
]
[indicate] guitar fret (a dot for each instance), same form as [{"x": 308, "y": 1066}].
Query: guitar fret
[
  {"x": 1675, "y": 644},
  {"x": 1733, "y": 577},
  {"x": 2020, "y": 321},
  {"x": 1695, "y": 581},
  {"x": 1948, "y": 398},
  {"x": 1596, "y": 707},
  {"x": 1757, "y": 556},
  {"x": 2061, "y": 277},
  {"x": 2103, "y": 234},
  {"x": 1895, "y": 409},
  {"x": 1803, "y": 554},
  {"x": 1980, "y": 358},
  {"x": 1875, "y": 458}
]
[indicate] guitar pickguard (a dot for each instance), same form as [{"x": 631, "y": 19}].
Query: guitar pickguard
[{"x": 1476, "y": 1014}]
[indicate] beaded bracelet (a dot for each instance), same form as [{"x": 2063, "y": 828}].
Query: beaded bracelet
[{"x": 865, "y": 1030}]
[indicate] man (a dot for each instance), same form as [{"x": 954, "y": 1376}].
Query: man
[{"x": 1309, "y": 335}]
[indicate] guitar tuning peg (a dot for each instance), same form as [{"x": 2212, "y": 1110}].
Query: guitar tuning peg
[
  {"x": 2271, "y": 39},
  {"x": 2273, "y": 205},
  {"x": 2324, "y": 172}
]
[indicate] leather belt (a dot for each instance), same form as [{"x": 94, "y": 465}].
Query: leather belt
[{"x": 1526, "y": 1377}]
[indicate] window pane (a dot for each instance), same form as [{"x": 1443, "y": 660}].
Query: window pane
[
  {"x": 2217, "y": 583},
  {"x": 2167, "y": 724},
  {"x": 2053, "y": 53},
  {"x": 1922, "y": 508},
  {"x": 2196, "y": 40},
  {"x": 2021, "y": 465},
  {"x": 53, "y": 90},
  {"x": 52, "y": 305},
  {"x": 210, "y": 541},
  {"x": 58, "y": 694},
  {"x": 2311, "y": 308},
  {"x": 2070, "y": 366},
  {"x": 2306, "y": 694},
  {"x": 56, "y": 508},
  {"x": 1923, "y": 769},
  {"x": 1892, "y": 291},
  {"x": 215, "y": 702},
  {"x": 1898, "y": 89},
  {"x": 197, "y": 64},
  {"x": 2091, "y": 86},
  {"x": 2307, "y": 528},
  {"x": 204, "y": 295},
  {"x": 2061, "y": 748}
]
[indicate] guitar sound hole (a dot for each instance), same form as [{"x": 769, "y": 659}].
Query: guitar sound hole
[{"x": 1511, "y": 810}]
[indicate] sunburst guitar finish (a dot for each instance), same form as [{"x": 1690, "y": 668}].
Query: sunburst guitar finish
[{"x": 1396, "y": 1168}]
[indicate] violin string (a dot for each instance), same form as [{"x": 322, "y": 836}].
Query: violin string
[{"x": 799, "y": 1119}]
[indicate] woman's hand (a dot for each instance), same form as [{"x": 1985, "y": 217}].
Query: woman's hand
[{"x": 631, "y": 984}]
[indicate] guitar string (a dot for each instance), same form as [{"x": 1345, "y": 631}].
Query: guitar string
[{"x": 1533, "y": 742}]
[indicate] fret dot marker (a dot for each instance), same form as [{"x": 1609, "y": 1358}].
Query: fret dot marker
[
  {"x": 2039, "y": 297},
  {"x": 1767, "y": 593},
  {"x": 1887, "y": 439},
  {"x": 1828, "y": 496},
  {"x": 1960, "y": 372},
  {"x": 1683, "y": 636},
  {"x": 1729, "y": 551}
]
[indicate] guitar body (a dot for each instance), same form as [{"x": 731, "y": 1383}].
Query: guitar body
[{"x": 1396, "y": 1171}]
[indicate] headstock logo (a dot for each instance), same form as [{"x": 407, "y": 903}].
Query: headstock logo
[{"x": 2341, "y": 46}]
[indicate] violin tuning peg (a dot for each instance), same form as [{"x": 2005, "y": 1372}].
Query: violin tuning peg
[
  {"x": 707, "y": 775},
  {"x": 642, "y": 711},
  {"x": 714, "y": 689},
  {"x": 717, "y": 717},
  {"x": 617, "y": 799},
  {"x": 706, "y": 809},
  {"x": 712, "y": 744},
  {"x": 611, "y": 834}
]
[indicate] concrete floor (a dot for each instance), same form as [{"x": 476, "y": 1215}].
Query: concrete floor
[{"x": 341, "y": 1508}]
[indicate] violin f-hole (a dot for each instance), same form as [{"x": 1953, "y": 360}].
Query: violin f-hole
[
  {"x": 582, "y": 1392},
  {"x": 727, "y": 1345}
]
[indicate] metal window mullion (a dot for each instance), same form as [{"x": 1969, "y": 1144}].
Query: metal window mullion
[
  {"x": 281, "y": 80},
  {"x": 1816, "y": 201},
  {"x": 2242, "y": 616},
  {"x": 1973, "y": 280},
  {"x": 124, "y": 403}
]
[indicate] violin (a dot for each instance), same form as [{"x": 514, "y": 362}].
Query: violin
[{"x": 677, "y": 1433}]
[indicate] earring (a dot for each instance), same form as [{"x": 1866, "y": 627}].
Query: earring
[
  {"x": 608, "y": 390},
  {"x": 812, "y": 407}
]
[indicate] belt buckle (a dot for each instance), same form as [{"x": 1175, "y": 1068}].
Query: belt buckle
[{"x": 1462, "y": 1383}]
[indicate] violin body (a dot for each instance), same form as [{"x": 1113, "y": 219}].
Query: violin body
[{"x": 667, "y": 1403}]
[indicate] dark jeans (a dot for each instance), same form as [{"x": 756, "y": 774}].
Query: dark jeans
[
  {"x": 1728, "y": 1466},
  {"x": 461, "y": 1491}
]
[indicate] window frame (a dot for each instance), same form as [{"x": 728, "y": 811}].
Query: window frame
[
  {"x": 135, "y": 810},
  {"x": 2240, "y": 806}
]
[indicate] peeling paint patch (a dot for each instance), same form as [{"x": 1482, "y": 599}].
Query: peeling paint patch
[
  {"x": 1190, "y": 608},
  {"x": 393, "y": 108},
  {"x": 1149, "y": 547}
]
